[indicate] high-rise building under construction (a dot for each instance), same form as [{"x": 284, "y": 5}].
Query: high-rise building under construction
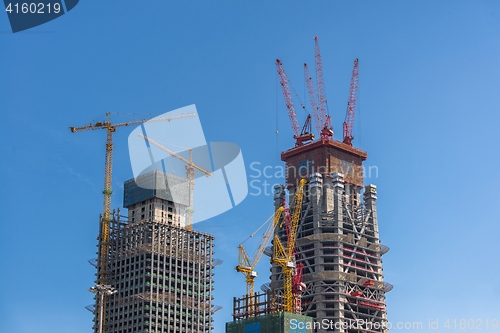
[
  {"x": 337, "y": 245},
  {"x": 162, "y": 271}
]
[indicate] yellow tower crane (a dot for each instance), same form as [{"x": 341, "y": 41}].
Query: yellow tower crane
[
  {"x": 284, "y": 255},
  {"x": 247, "y": 265},
  {"x": 103, "y": 246},
  {"x": 190, "y": 166}
]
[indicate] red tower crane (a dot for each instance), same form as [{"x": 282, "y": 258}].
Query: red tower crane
[
  {"x": 327, "y": 130},
  {"x": 351, "y": 105},
  {"x": 298, "y": 288},
  {"x": 312, "y": 100},
  {"x": 322, "y": 121},
  {"x": 306, "y": 134},
  {"x": 321, "y": 84}
]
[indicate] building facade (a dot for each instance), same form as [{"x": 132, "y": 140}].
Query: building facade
[
  {"x": 338, "y": 243},
  {"x": 162, "y": 271}
]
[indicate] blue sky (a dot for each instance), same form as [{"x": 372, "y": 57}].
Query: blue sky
[{"x": 427, "y": 116}]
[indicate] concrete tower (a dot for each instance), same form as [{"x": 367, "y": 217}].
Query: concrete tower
[
  {"x": 162, "y": 272},
  {"x": 338, "y": 239}
]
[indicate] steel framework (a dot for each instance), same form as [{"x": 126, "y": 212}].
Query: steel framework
[
  {"x": 337, "y": 239},
  {"x": 162, "y": 272}
]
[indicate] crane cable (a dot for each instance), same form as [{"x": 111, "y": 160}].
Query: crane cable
[{"x": 258, "y": 229}]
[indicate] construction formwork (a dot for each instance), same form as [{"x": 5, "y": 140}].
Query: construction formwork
[
  {"x": 337, "y": 240},
  {"x": 276, "y": 322}
]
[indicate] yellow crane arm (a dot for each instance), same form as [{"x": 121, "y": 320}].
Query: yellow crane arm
[
  {"x": 107, "y": 124},
  {"x": 247, "y": 265},
  {"x": 294, "y": 224},
  {"x": 243, "y": 261},
  {"x": 282, "y": 255},
  {"x": 265, "y": 239},
  {"x": 174, "y": 154}
]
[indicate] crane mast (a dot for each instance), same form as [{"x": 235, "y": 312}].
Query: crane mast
[
  {"x": 297, "y": 285},
  {"x": 105, "y": 218},
  {"x": 351, "y": 105},
  {"x": 284, "y": 255},
  {"x": 190, "y": 175},
  {"x": 298, "y": 288}
]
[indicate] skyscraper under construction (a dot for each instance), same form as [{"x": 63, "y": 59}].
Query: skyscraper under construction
[
  {"x": 337, "y": 245},
  {"x": 162, "y": 271}
]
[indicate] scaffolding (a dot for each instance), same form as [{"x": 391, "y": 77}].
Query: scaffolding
[
  {"x": 163, "y": 273},
  {"x": 257, "y": 304}
]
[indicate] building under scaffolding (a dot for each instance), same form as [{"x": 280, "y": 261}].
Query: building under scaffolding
[
  {"x": 162, "y": 271},
  {"x": 263, "y": 313},
  {"x": 338, "y": 238}
]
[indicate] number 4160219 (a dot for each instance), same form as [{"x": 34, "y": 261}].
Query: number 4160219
[
  {"x": 471, "y": 324},
  {"x": 33, "y": 8}
]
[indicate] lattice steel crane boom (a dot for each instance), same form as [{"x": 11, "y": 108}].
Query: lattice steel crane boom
[
  {"x": 312, "y": 100},
  {"x": 247, "y": 265},
  {"x": 351, "y": 105},
  {"x": 190, "y": 166},
  {"x": 297, "y": 285},
  {"x": 283, "y": 255},
  {"x": 288, "y": 97},
  {"x": 320, "y": 82},
  {"x": 305, "y": 135},
  {"x": 103, "y": 247}
]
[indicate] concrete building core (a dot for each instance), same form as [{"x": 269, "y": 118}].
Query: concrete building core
[
  {"x": 157, "y": 196},
  {"x": 161, "y": 270},
  {"x": 338, "y": 239}
]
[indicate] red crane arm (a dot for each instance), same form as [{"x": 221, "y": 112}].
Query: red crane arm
[
  {"x": 312, "y": 100},
  {"x": 351, "y": 105},
  {"x": 320, "y": 82},
  {"x": 288, "y": 97}
]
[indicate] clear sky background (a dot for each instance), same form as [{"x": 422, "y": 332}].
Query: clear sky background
[{"x": 428, "y": 116}]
